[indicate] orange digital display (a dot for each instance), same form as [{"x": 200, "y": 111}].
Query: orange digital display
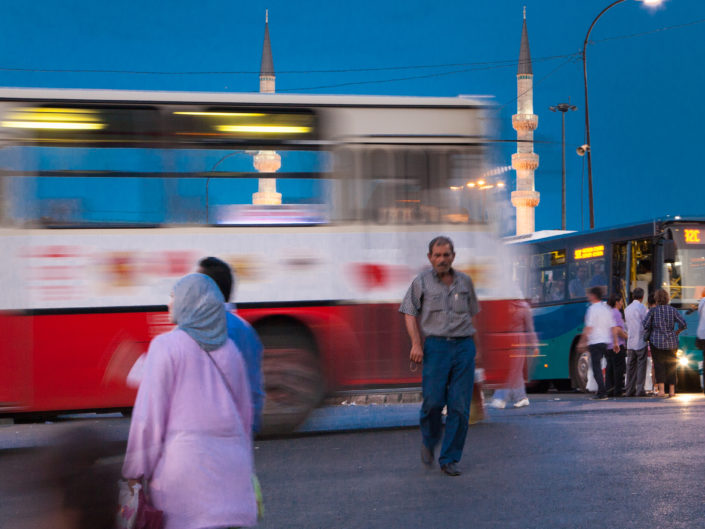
[
  {"x": 588, "y": 253},
  {"x": 692, "y": 236}
]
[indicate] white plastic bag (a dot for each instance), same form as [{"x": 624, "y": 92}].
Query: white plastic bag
[
  {"x": 128, "y": 504},
  {"x": 591, "y": 385},
  {"x": 591, "y": 382}
]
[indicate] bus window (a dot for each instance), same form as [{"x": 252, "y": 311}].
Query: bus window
[
  {"x": 426, "y": 186},
  {"x": 553, "y": 285},
  {"x": 98, "y": 187},
  {"x": 548, "y": 277},
  {"x": 585, "y": 274}
]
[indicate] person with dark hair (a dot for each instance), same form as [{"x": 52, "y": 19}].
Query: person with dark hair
[
  {"x": 190, "y": 435},
  {"x": 597, "y": 336},
  {"x": 660, "y": 323},
  {"x": 241, "y": 333},
  {"x": 634, "y": 315},
  {"x": 616, "y": 356},
  {"x": 444, "y": 300}
]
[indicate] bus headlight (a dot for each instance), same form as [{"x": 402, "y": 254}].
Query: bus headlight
[{"x": 682, "y": 358}]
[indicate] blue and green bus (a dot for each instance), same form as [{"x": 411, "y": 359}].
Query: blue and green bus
[{"x": 556, "y": 268}]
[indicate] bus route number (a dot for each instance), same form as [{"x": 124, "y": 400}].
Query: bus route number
[{"x": 692, "y": 236}]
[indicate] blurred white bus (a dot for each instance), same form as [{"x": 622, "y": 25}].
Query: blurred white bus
[{"x": 323, "y": 206}]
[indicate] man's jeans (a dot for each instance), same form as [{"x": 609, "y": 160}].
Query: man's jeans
[
  {"x": 636, "y": 371},
  {"x": 597, "y": 351},
  {"x": 448, "y": 378}
]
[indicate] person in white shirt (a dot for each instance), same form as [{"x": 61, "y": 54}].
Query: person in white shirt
[
  {"x": 634, "y": 315},
  {"x": 598, "y": 336},
  {"x": 700, "y": 333}
]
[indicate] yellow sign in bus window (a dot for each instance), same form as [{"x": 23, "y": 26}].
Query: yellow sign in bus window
[
  {"x": 692, "y": 236},
  {"x": 590, "y": 252}
]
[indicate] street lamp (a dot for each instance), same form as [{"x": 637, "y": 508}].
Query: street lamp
[
  {"x": 563, "y": 108},
  {"x": 651, "y": 3}
]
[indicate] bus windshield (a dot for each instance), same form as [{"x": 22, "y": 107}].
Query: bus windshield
[{"x": 686, "y": 276}]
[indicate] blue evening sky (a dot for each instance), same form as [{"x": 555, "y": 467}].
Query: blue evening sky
[{"x": 646, "y": 92}]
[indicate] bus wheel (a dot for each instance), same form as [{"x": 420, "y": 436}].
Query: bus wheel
[
  {"x": 580, "y": 365},
  {"x": 293, "y": 381}
]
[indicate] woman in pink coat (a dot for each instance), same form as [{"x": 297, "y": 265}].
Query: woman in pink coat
[{"x": 190, "y": 431}]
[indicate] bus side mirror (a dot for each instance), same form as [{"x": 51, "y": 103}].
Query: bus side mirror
[{"x": 669, "y": 251}]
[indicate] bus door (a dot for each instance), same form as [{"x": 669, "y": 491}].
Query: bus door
[
  {"x": 620, "y": 273},
  {"x": 631, "y": 267},
  {"x": 640, "y": 258}
]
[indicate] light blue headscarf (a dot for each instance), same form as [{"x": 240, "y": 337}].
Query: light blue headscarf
[{"x": 198, "y": 309}]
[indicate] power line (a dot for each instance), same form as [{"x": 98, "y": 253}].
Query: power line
[
  {"x": 497, "y": 63},
  {"x": 651, "y": 32},
  {"x": 397, "y": 79},
  {"x": 482, "y": 65},
  {"x": 572, "y": 58}
]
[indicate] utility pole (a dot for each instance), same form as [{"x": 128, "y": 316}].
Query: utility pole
[{"x": 563, "y": 108}]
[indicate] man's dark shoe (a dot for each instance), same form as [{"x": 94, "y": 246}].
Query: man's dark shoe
[
  {"x": 451, "y": 469},
  {"x": 600, "y": 397},
  {"x": 426, "y": 455},
  {"x": 642, "y": 394}
]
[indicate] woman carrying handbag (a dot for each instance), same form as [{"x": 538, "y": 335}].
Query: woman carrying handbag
[{"x": 190, "y": 435}]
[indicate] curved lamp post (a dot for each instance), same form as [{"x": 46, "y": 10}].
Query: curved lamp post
[{"x": 587, "y": 114}]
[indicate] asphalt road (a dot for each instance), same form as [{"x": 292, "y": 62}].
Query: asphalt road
[{"x": 567, "y": 463}]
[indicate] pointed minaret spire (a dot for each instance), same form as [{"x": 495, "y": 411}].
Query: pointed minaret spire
[
  {"x": 266, "y": 72},
  {"x": 525, "y": 161},
  {"x": 267, "y": 161},
  {"x": 524, "y": 53}
]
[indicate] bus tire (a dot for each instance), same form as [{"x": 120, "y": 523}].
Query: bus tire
[
  {"x": 579, "y": 367},
  {"x": 293, "y": 381}
]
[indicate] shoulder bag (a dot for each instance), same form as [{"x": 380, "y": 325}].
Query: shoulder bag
[{"x": 255, "y": 482}]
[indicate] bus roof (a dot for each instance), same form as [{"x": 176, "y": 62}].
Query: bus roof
[
  {"x": 150, "y": 96},
  {"x": 536, "y": 235},
  {"x": 551, "y": 235}
]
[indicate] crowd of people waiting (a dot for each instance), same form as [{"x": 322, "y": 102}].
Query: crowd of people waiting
[{"x": 625, "y": 341}]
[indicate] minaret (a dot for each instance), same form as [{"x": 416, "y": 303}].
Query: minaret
[
  {"x": 266, "y": 71},
  {"x": 267, "y": 161},
  {"x": 525, "y": 161}
]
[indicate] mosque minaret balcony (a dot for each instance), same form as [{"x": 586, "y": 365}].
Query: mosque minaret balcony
[
  {"x": 525, "y": 161},
  {"x": 525, "y": 122},
  {"x": 525, "y": 199}
]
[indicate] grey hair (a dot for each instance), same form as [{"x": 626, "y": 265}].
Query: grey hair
[{"x": 441, "y": 240}]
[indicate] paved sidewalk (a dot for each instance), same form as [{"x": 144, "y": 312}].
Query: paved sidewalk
[{"x": 380, "y": 411}]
